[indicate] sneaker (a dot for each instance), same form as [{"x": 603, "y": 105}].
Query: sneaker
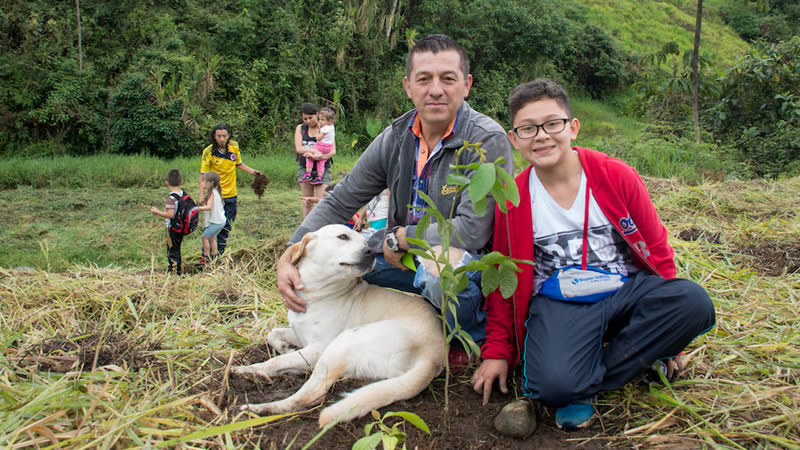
[
  {"x": 203, "y": 260},
  {"x": 317, "y": 180},
  {"x": 305, "y": 178},
  {"x": 457, "y": 360},
  {"x": 517, "y": 419},
  {"x": 575, "y": 415}
]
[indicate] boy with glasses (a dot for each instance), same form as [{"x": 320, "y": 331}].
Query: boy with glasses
[{"x": 601, "y": 304}]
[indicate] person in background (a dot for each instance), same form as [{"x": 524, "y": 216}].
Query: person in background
[
  {"x": 223, "y": 157},
  {"x": 214, "y": 214},
  {"x": 305, "y": 136},
  {"x": 324, "y": 144},
  {"x": 174, "y": 180}
]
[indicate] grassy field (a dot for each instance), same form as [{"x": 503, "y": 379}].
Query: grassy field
[
  {"x": 99, "y": 348},
  {"x": 665, "y": 21}
]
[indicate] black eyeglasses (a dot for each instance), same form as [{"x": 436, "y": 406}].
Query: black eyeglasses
[{"x": 532, "y": 130}]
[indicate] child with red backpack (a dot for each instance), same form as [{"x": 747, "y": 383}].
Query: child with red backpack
[{"x": 180, "y": 217}]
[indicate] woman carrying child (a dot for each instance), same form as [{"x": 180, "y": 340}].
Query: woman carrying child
[
  {"x": 214, "y": 215},
  {"x": 324, "y": 144},
  {"x": 305, "y": 136}
]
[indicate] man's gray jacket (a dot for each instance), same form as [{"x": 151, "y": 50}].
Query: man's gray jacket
[{"x": 388, "y": 162}]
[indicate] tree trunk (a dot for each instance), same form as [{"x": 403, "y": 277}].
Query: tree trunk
[
  {"x": 695, "y": 58},
  {"x": 80, "y": 48},
  {"x": 390, "y": 21}
]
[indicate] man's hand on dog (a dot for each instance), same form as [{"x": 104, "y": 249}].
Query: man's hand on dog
[
  {"x": 396, "y": 258},
  {"x": 289, "y": 281}
]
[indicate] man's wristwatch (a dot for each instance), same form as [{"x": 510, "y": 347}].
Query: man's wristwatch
[{"x": 392, "y": 242}]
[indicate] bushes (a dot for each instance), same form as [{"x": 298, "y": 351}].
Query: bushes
[
  {"x": 139, "y": 125},
  {"x": 759, "y": 110}
]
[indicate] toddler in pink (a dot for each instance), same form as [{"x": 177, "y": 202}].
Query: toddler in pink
[{"x": 323, "y": 145}]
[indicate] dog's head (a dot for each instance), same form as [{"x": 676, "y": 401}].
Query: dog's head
[{"x": 333, "y": 252}]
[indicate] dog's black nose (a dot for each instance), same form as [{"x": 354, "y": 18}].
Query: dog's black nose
[{"x": 369, "y": 251}]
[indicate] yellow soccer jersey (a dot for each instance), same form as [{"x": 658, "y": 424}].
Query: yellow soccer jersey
[{"x": 224, "y": 163}]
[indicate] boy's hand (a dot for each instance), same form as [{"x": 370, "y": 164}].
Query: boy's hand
[
  {"x": 675, "y": 366},
  {"x": 154, "y": 210},
  {"x": 484, "y": 377}
]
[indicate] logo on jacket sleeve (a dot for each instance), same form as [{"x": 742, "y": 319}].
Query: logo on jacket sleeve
[
  {"x": 626, "y": 225},
  {"x": 232, "y": 156}
]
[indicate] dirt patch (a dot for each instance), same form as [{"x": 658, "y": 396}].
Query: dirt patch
[
  {"x": 773, "y": 259},
  {"x": 467, "y": 425},
  {"x": 79, "y": 353},
  {"x": 695, "y": 234},
  {"x": 259, "y": 185}
]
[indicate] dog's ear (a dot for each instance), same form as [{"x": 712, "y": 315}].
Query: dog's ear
[{"x": 299, "y": 249}]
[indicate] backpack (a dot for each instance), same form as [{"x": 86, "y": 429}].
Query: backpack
[{"x": 187, "y": 214}]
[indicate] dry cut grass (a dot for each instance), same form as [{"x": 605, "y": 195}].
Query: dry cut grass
[{"x": 95, "y": 357}]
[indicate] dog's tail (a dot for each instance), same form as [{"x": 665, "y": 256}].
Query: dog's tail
[{"x": 382, "y": 393}]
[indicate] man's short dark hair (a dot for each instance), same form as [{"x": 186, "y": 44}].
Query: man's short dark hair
[
  {"x": 536, "y": 90},
  {"x": 174, "y": 178},
  {"x": 214, "y": 130},
  {"x": 436, "y": 43},
  {"x": 308, "y": 109}
]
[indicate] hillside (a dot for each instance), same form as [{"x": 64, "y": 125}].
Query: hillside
[{"x": 642, "y": 27}]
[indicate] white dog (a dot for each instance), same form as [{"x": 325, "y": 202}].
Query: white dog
[{"x": 351, "y": 330}]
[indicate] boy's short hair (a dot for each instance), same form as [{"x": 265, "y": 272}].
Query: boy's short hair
[
  {"x": 308, "y": 109},
  {"x": 327, "y": 113},
  {"x": 174, "y": 178},
  {"x": 436, "y": 43},
  {"x": 536, "y": 90}
]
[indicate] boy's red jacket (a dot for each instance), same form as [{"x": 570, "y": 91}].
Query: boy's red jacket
[{"x": 621, "y": 195}]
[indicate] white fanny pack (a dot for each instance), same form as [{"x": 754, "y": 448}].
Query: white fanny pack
[{"x": 582, "y": 284}]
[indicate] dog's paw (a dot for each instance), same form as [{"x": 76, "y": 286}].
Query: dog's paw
[{"x": 282, "y": 347}]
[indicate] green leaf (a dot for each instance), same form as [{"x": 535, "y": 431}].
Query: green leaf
[
  {"x": 509, "y": 265},
  {"x": 411, "y": 418},
  {"x": 418, "y": 242},
  {"x": 480, "y": 206},
  {"x": 499, "y": 196},
  {"x": 475, "y": 264},
  {"x": 489, "y": 280},
  {"x": 460, "y": 283},
  {"x": 507, "y": 280},
  {"x": 493, "y": 258},
  {"x": 510, "y": 189},
  {"x": 423, "y": 224},
  {"x": 203, "y": 433},
  {"x": 368, "y": 442},
  {"x": 432, "y": 211},
  {"x": 390, "y": 442},
  {"x": 481, "y": 182},
  {"x": 421, "y": 253},
  {"x": 472, "y": 166},
  {"x": 457, "y": 179}
]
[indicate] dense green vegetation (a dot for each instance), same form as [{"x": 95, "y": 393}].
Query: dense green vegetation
[{"x": 153, "y": 77}]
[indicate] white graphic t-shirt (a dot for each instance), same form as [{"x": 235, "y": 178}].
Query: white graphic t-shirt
[{"x": 558, "y": 235}]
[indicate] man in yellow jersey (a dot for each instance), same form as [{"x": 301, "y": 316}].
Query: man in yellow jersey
[{"x": 223, "y": 157}]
